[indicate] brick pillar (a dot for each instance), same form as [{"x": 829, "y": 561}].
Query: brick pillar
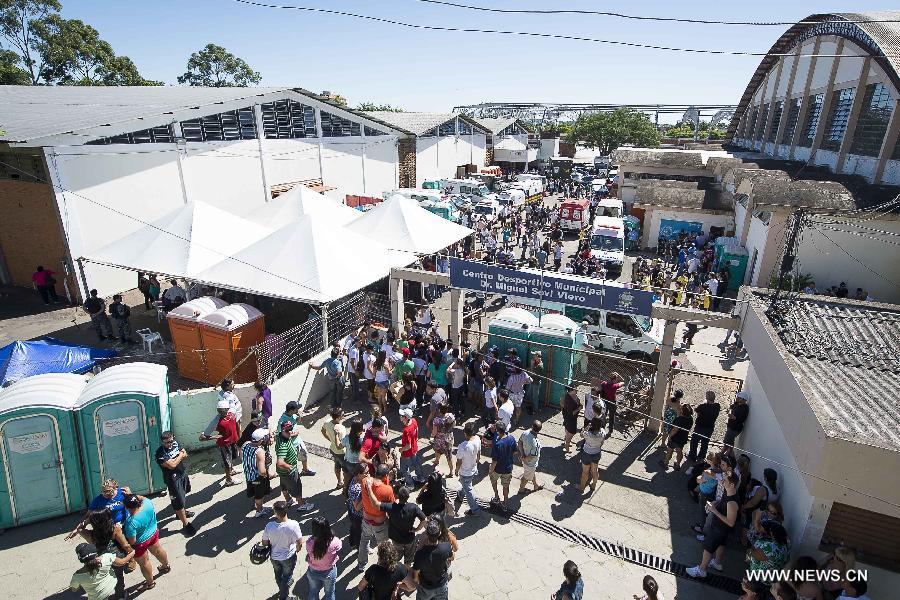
[
  {"x": 406, "y": 152},
  {"x": 489, "y": 156}
]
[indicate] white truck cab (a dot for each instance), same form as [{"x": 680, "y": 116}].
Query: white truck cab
[
  {"x": 608, "y": 242},
  {"x": 513, "y": 197},
  {"x": 540, "y": 179},
  {"x": 609, "y": 207},
  {"x": 468, "y": 187},
  {"x": 487, "y": 210}
]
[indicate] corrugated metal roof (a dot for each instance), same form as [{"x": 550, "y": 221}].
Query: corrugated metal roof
[
  {"x": 847, "y": 358},
  {"x": 416, "y": 123},
  {"x": 29, "y": 112}
]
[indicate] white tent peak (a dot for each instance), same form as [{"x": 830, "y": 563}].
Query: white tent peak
[
  {"x": 400, "y": 223},
  {"x": 184, "y": 241},
  {"x": 297, "y": 202},
  {"x": 307, "y": 261}
]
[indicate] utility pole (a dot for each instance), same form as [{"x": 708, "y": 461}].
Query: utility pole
[{"x": 790, "y": 255}]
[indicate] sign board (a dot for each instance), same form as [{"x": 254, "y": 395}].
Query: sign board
[
  {"x": 29, "y": 442},
  {"x": 120, "y": 426},
  {"x": 571, "y": 290}
]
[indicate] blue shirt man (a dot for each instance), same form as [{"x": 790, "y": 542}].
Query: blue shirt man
[
  {"x": 113, "y": 497},
  {"x": 503, "y": 450}
]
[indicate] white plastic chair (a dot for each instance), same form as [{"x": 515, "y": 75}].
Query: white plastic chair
[
  {"x": 149, "y": 337},
  {"x": 160, "y": 313}
]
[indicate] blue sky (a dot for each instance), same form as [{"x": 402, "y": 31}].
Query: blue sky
[{"x": 427, "y": 70}]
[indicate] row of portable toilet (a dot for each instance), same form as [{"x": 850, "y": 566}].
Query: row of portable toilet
[
  {"x": 553, "y": 335},
  {"x": 62, "y": 435},
  {"x": 212, "y": 337}
]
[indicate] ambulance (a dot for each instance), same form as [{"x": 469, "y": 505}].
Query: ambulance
[
  {"x": 608, "y": 243},
  {"x": 574, "y": 214}
]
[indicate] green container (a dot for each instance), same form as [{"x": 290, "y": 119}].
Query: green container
[
  {"x": 731, "y": 255},
  {"x": 39, "y": 454},
  {"x": 509, "y": 329},
  {"x": 556, "y": 330},
  {"x": 121, "y": 414}
]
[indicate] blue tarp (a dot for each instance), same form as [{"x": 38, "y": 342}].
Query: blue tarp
[{"x": 47, "y": 355}]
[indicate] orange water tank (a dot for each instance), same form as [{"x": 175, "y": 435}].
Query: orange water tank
[
  {"x": 227, "y": 335},
  {"x": 184, "y": 327}
]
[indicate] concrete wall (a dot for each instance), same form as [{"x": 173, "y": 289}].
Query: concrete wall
[
  {"x": 653, "y": 217},
  {"x": 438, "y": 157},
  {"x": 192, "y": 410},
  {"x": 829, "y": 264},
  {"x": 763, "y": 435}
]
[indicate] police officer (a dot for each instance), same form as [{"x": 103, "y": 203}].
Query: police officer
[
  {"x": 120, "y": 313},
  {"x": 96, "y": 308}
]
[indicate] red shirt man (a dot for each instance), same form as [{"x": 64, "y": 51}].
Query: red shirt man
[
  {"x": 227, "y": 428},
  {"x": 371, "y": 443},
  {"x": 410, "y": 436}
]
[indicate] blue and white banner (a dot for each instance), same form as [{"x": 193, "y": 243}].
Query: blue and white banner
[{"x": 573, "y": 290}]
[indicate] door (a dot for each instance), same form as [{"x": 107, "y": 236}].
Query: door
[
  {"x": 124, "y": 448},
  {"x": 34, "y": 467}
]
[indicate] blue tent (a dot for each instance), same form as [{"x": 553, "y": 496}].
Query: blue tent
[{"x": 47, "y": 355}]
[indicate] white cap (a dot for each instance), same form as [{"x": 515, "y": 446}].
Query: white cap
[
  {"x": 259, "y": 434},
  {"x": 223, "y": 404},
  {"x": 405, "y": 412},
  {"x": 743, "y": 395}
]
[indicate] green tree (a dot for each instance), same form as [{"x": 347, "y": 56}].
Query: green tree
[
  {"x": 18, "y": 19},
  {"x": 72, "y": 53},
  {"x": 214, "y": 66},
  {"x": 607, "y": 131},
  {"x": 10, "y": 71},
  {"x": 371, "y": 106}
]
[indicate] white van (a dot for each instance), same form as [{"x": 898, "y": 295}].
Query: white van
[
  {"x": 487, "y": 210},
  {"x": 635, "y": 336},
  {"x": 416, "y": 194},
  {"x": 610, "y": 207},
  {"x": 468, "y": 187},
  {"x": 513, "y": 197},
  {"x": 534, "y": 177},
  {"x": 608, "y": 242}
]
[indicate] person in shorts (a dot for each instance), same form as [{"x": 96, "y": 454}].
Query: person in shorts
[
  {"x": 226, "y": 440},
  {"x": 172, "y": 459},
  {"x": 292, "y": 415},
  {"x": 286, "y": 467},
  {"x": 530, "y": 454},
  {"x": 256, "y": 473},
  {"x": 503, "y": 453}
]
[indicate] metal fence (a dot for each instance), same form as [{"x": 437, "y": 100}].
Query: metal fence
[{"x": 281, "y": 353}]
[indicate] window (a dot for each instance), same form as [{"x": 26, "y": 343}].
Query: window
[
  {"x": 430, "y": 133},
  {"x": 335, "y": 126},
  {"x": 776, "y": 121},
  {"x": 464, "y": 127},
  {"x": 841, "y": 103},
  {"x": 622, "y": 323},
  {"x": 873, "y": 120},
  {"x": 232, "y": 125},
  {"x": 751, "y": 123},
  {"x": 371, "y": 131},
  {"x": 286, "y": 119},
  {"x": 154, "y": 135},
  {"x": 761, "y": 127},
  {"x": 448, "y": 128},
  {"x": 22, "y": 167},
  {"x": 813, "y": 110},
  {"x": 513, "y": 129},
  {"x": 792, "y": 117}
]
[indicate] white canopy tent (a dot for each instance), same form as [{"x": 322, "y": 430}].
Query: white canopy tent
[
  {"x": 401, "y": 224},
  {"x": 298, "y": 202},
  {"x": 184, "y": 241},
  {"x": 306, "y": 261}
]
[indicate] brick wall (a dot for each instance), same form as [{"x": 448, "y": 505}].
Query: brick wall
[
  {"x": 489, "y": 156},
  {"x": 406, "y": 151},
  {"x": 30, "y": 233}
]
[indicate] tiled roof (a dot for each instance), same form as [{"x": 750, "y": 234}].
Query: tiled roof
[
  {"x": 495, "y": 126},
  {"x": 846, "y": 356},
  {"x": 416, "y": 123},
  {"x": 656, "y": 193}
]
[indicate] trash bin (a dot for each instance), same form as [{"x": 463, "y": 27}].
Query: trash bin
[
  {"x": 555, "y": 335},
  {"x": 120, "y": 414},
  {"x": 184, "y": 327},
  {"x": 228, "y": 334},
  {"x": 509, "y": 329},
  {"x": 39, "y": 453}
]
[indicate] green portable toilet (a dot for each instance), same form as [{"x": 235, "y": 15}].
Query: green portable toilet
[
  {"x": 734, "y": 257},
  {"x": 39, "y": 457},
  {"x": 509, "y": 329},
  {"x": 556, "y": 330},
  {"x": 121, "y": 414}
]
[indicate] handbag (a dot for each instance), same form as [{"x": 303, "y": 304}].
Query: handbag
[{"x": 449, "y": 507}]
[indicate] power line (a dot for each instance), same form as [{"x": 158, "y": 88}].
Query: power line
[
  {"x": 555, "y": 36},
  {"x": 864, "y": 265},
  {"x": 641, "y": 17}
]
